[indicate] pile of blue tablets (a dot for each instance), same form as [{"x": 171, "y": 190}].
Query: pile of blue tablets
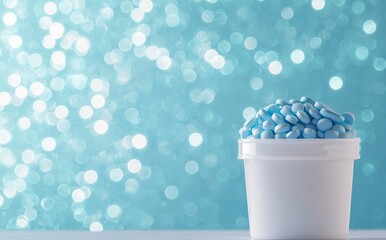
[{"x": 295, "y": 119}]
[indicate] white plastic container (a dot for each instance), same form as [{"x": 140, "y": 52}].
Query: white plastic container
[{"x": 299, "y": 188}]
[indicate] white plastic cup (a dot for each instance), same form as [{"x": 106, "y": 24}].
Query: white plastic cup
[{"x": 299, "y": 188}]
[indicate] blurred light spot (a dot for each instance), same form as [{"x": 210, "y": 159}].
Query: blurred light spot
[
  {"x": 134, "y": 166},
  {"x": 379, "y": 64},
  {"x": 139, "y": 141},
  {"x": 82, "y": 46},
  {"x": 195, "y": 139},
  {"x": 146, "y": 6},
  {"x": 21, "y": 92},
  {"x": 28, "y": 156},
  {"x": 137, "y": 15},
  {"x": 297, "y": 56},
  {"x": 14, "y": 80},
  {"x": 249, "y": 112},
  {"x": 131, "y": 185},
  {"x": 152, "y": 52},
  {"x": 48, "y": 42},
  {"x": 57, "y": 84},
  {"x": 58, "y": 60},
  {"x": 287, "y": 13},
  {"x": 86, "y": 112},
  {"x": 96, "y": 227},
  {"x": 78, "y": 195},
  {"x": 250, "y": 43},
  {"x": 361, "y": 53},
  {"x": 368, "y": 169},
  {"x": 336, "y": 83},
  {"x": 171, "y": 192},
  {"x": 318, "y": 4},
  {"x": 101, "y": 127},
  {"x": 39, "y": 106},
  {"x": 21, "y": 222},
  {"x": 138, "y": 38},
  {"x": 5, "y": 98},
  {"x": 116, "y": 174},
  {"x": 358, "y": 7},
  {"x": 90, "y": 176},
  {"x": 9, "y": 19},
  {"x": 15, "y": 41},
  {"x": 113, "y": 211},
  {"x": 164, "y": 62},
  {"x": 36, "y": 88},
  {"x": 190, "y": 209},
  {"x": 56, "y": 30},
  {"x": 96, "y": 85},
  {"x": 256, "y": 83},
  {"x": 275, "y": 67},
  {"x": 367, "y": 115},
  {"x": 50, "y": 8},
  {"x": 5, "y": 136},
  {"x": 24, "y": 123},
  {"x": 207, "y": 16},
  {"x": 61, "y": 112},
  {"x": 315, "y": 42},
  {"x": 191, "y": 167},
  {"x": 98, "y": 101},
  {"x": 48, "y": 144},
  {"x": 369, "y": 27},
  {"x": 172, "y": 20}
]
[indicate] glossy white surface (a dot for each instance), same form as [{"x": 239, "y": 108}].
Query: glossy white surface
[{"x": 157, "y": 235}]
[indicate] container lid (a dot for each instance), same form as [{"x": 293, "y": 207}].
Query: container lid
[{"x": 299, "y": 149}]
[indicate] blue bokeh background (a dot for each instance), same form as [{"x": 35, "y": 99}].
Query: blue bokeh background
[{"x": 125, "y": 114}]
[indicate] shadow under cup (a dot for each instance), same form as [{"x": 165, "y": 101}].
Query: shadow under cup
[{"x": 299, "y": 188}]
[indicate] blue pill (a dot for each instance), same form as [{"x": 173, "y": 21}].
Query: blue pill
[
  {"x": 280, "y": 136},
  {"x": 349, "y": 117},
  {"x": 307, "y": 106},
  {"x": 294, "y": 134},
  {"x": 309, "y": 133},
  {"x": 273, "y": 108},
  {"x": 250, "y": 122},
  {"x": 339, "y": 128},
  {"x": 344, "y": 135},
  {"x": 281, "y": 102},
  {"x": 324, "y": 124},
  {"x": 314, "y": 113},
  {"x": 256, "y": 131},
  {"x": 266, "y": 134},
  {"x": 314, "y": 122},
  {"x": 291, "y": 119},
  {"x": 297, "y": 107},
  {"x": 264, "y": 114},
  {"x": 268, "y": 125},
  {"x": 320, "y": 134},
  {"x": 277, "y": 118},
  {"x": 319, "y": 105},
  {"x": 244, "y": 132},
  {"x": 310, "y": 126},
  {"x": 303, "y": 117},
  {"x": 331, "y": 134},
  {"x": 347, "y": 126},
  {"x": 353, "y": 133},
  {"x": 282, "y": 128},
  {"x": 334, "y": 116},
  {"x": 293, "y": 101},
  {"x": 298, "y": 127},
  {"x": 286, "y": 110},
  {"x": 307, "y": 99}
]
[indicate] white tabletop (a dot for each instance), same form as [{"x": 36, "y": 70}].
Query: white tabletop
[{"x": 157, "y": 235}]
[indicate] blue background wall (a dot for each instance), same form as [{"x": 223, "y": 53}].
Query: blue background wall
[{"x": 125, "y": 114}]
